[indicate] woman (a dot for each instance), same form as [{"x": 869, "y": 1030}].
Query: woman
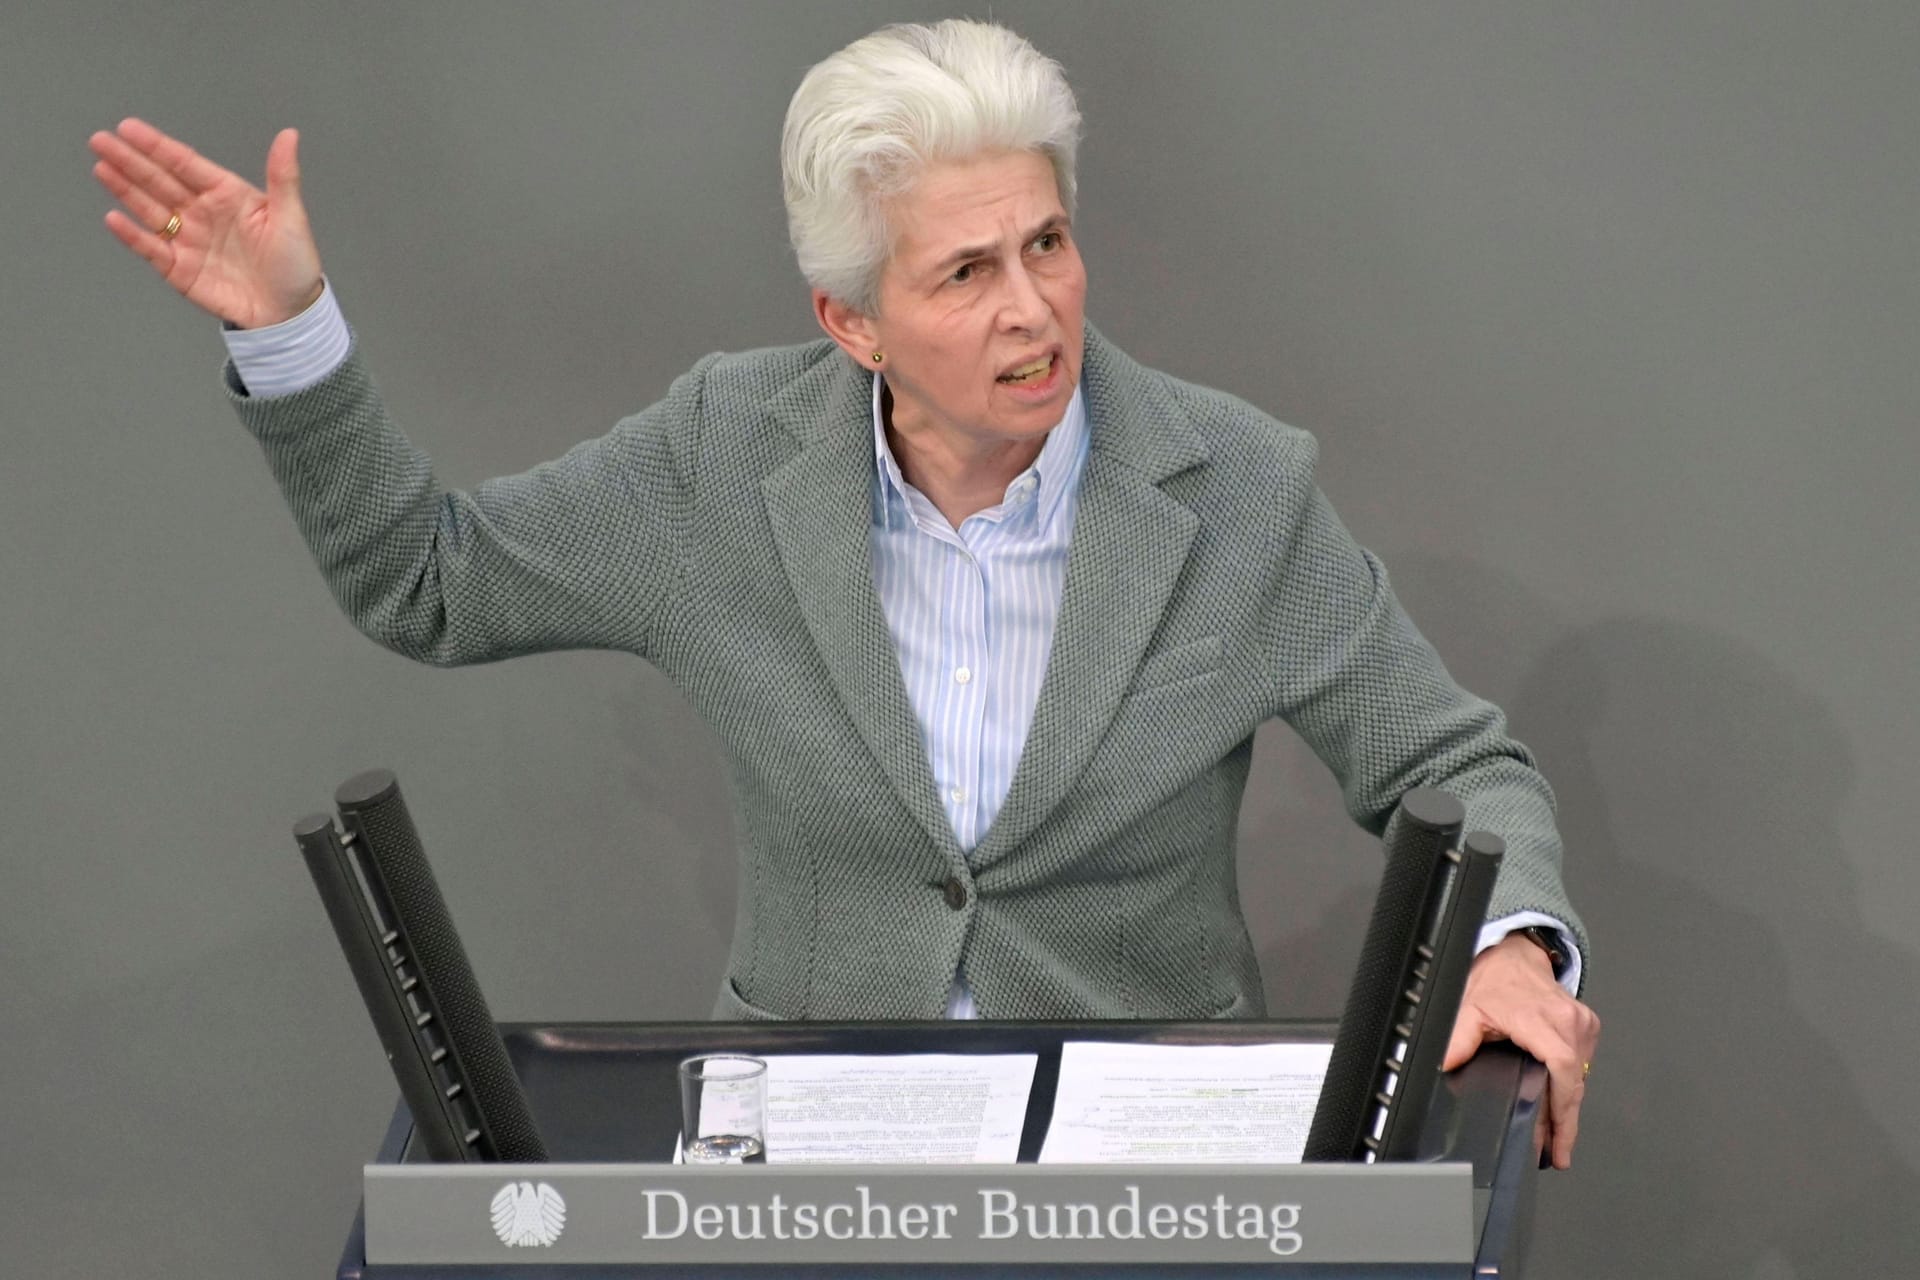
[{"x": 852, "y": 555}]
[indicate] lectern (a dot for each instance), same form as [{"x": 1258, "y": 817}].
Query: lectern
[
  {"x": 606, "y": 1097},
  {"x": 544, "y": 1152}
]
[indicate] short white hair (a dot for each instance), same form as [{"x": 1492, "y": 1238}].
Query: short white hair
[{"x": 866, "y": 122}]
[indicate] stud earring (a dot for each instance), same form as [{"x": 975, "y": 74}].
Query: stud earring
[{"x": 877, "y": 357}]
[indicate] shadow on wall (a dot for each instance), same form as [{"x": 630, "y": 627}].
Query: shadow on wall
[{"x": 1725, "y": 1134}]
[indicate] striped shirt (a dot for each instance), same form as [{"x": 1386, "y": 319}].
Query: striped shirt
[{"x": 972, "y": 611}]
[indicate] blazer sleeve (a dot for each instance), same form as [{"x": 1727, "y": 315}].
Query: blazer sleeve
[
  {"x": 579, "y": 552},
  {"x": 1369, "y": 694}
]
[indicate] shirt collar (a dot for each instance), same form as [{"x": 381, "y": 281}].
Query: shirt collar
[{"x": 1056, "y": 469}]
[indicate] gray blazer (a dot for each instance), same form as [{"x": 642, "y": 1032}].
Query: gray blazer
[{"x": 723, "y": 535}]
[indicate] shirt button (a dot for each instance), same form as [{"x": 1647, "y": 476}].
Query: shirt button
[
  {"x": 962, "y": 675},
  {"x": 958, "y": 794},
  {"x": 956, "y": 893}
]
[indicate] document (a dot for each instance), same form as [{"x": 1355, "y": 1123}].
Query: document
[
  {"x": 923, "y": 1108},
  {"x": 1184, "y": 1104}
]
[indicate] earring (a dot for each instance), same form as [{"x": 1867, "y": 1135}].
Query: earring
[{"x": 877, "y": 357}]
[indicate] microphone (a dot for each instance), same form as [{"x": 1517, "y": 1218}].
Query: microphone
[
  {"x": 400, "y": 943},
  {"x": 1406, "y": 989}
]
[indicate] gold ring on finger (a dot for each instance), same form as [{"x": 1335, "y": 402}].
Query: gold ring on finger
[{"x": 172, "y": 228}]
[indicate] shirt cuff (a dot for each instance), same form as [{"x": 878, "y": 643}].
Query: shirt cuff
[
  {"x": 1494, "y": 930},
  {"x": 295, "y": 354}
]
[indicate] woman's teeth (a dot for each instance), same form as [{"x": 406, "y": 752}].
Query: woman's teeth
[{"x": 1029, "y": 372}]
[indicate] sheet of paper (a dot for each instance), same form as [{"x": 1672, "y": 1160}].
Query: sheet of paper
[
  {"x": 1184, "y": 1104},
  {"x": 923, "y": 1108}
]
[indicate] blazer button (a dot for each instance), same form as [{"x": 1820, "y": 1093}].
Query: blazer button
[{"x": 956, "y": 893}]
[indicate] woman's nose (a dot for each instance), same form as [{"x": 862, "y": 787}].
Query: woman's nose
[{"x": 1024, "y": 307}]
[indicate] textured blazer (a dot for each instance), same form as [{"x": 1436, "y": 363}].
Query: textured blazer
[{"x": 723, "y": 535}]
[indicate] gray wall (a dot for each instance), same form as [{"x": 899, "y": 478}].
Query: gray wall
[{"x": 1604, "y": 314}]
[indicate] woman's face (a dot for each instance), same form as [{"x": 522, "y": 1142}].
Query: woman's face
[{"x": 981, "y": 303}]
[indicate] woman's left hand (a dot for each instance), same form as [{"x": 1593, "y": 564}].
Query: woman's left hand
[{"x": 1511, "y": 994}]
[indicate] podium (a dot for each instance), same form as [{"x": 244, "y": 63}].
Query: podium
[{"x": 607, "y": 1094}]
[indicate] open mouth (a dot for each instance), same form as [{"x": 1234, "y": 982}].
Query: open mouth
[{"x": 1028, "y": 374}]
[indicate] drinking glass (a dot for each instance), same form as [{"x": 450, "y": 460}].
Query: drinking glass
[{"x": 723, "y": 1109}]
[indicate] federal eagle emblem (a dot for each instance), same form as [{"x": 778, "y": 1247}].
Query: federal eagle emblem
[{"x": 525, "y": 1214}]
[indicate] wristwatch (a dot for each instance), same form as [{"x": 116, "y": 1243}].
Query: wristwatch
[{"x": 1548, "y": 940}]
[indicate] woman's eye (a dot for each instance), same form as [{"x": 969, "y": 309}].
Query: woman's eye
[
  {"x": 963, "y": 275},
  {"x": 1048, "y": 242}
]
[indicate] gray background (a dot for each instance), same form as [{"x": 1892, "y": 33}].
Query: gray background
[{"x": 1605, "y": 317}]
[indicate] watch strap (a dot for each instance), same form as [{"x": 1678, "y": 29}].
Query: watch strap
[{"x": 1548, "y": 940}]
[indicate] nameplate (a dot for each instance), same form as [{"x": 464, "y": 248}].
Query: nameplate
[{"x": 548, "y": 1214}]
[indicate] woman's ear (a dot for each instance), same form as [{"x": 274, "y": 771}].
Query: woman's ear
[{"x": 853, "y": 331}]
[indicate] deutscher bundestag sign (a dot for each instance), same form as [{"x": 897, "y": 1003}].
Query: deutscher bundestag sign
[{"x": 501, "y": 1214}]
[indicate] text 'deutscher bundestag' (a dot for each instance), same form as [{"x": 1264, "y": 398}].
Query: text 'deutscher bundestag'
[{"x": 606, "y": 1213}]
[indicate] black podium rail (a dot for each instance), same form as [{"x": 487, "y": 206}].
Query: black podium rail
[{"x": 608, "y": 1093}]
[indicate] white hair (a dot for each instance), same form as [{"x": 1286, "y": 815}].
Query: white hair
[{"x": 866, "y": 122}]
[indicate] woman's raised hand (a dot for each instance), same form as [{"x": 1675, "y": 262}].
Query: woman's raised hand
[{"x": 244, "y": 254}]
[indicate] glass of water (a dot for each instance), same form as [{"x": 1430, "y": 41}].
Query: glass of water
[{"x": 723, "y": 1109}]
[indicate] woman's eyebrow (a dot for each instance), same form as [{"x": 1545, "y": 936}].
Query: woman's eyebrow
[{"x": 957, "y": 256}]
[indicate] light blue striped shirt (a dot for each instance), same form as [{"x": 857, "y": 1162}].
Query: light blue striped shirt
[{"x": 971, "y": 610}]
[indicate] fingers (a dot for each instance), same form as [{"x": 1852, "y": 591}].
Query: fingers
[
  {"x": 1564, "y": 1040},
  {"x": 146, "y": 210},
  {"x": 283, "y": 168},
  {"x": 137, "y": 172},
  {"x": 1566, "y": 1089},
  {"x": 141, "y": 241},
  {"x": 193, "y": 171},
  {"x": 1511, "y": 994},
  {"x": 1469, "y": 1033}
]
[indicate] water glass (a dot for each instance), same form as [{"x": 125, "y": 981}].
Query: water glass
[{"x": 723, "y": 1109}]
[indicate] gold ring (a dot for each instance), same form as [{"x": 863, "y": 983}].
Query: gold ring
[{"x": 172, "y": 228}]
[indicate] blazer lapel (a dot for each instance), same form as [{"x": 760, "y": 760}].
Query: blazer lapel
[
  {"x": 1130, "y": 540},
  {"x": 820, "y": 505}
]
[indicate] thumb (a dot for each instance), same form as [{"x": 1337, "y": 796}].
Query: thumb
[
  {"x": 1468, "y": 1035},
  {"x": 283, "y": 172}
]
